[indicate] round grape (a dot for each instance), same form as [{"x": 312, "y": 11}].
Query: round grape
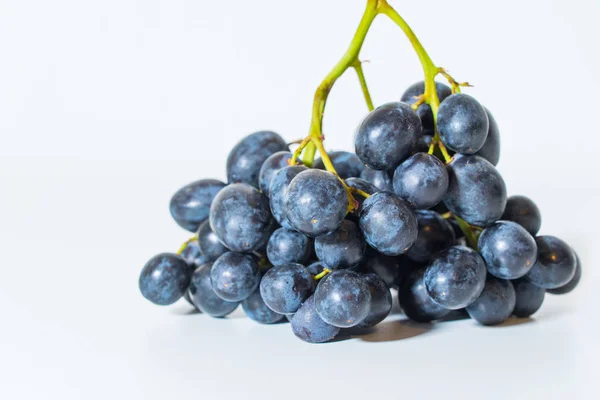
[
  {"x": 495, "y": 304},
  {"x": 342, "y": 248},
  {"x": 416, "y": 302},
  {"x": 435, "y": 234},
  {"x": 285, "y": 287},
  {"x": 204, "y": 297},
  {"x": 209, "y": 243},
  {"x": 380, "y": 179},
  {"x": 256, "y": 309},
  {"x": 422, "y": 180},
  {"x": 343, "y": 298},
  {"x": 523, "y": 211},
  {"x": 529, "y": 298},
  {"x": 190, "y": 206},
  {"x": 164, "y": 279},
  {"x": 274, "y": 163},
  {"x": 287, "y": 246},
  {"x": 279, "y": 185},
  {"x": 556, "y": 263},
  {"x": 572, "y": 284},
  {"x": 386, "y": 267},
  {"x": 462, "y": 123},
  {"x": 234, "y": 276},
  {"x": 381, "y": 301},
  {"x": 308, "y": 326},
  {"x": 424, "y": 110},
  {"x": 491, "y": 148}
]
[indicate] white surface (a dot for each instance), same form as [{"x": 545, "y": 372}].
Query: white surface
[{"x": 106, "y": 108}]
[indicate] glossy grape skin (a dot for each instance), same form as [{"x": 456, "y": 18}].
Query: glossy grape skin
[
  {"x": 190, "y": 205},
  {"x": 269, "y": 168},
  {"x": 495, "y": 304},
  {"x": 462, "y": 123},
  {"x": 509, "y": 251},
  {"x": 343, "y": 298},
  {"x": 424, "y": 110},
  {"x": 422, "y": 180},
  {"x": 234, "y": 276},
  {"x": 386, "y": 267},
  {"x": 346, "y": 164},
  {"x": 381, "y": 301},
  {"x": 435, "y": 234},
  {"x": 316, "y": 268},
  {"x": 249, "y": 154},
  {"x": 209, "y": 244},
  {"x": 279, "y": 185},
  {"x": 572, "y": 284},
  {"x": 256, "y": 309},
  {"x": 523, "y": 211},
  {"x": 287, "y": 246},
  {"x": 285, "y": 287},
  {"x": 316, "y": 202},
  {"x": 387, "y": 136},
  {"x": 204, "y": 297},
  {"x": 416, "y": 302},
  {"x": 388, "y": 223},
  {"x": 556, "y": 263},
  {"x": 491, "y": 148},
  {"x": 529, "y": 298},
  {"x": 380, "y": 179},
  {"x": 241, "y": 218},
  {"x": 164, "y": 279},
  {"x": 456, "y": 277},
  {"x": 476, "y": 191},
  {"x": 308, "y": 326},
  {"x": 342, "y": 248}
]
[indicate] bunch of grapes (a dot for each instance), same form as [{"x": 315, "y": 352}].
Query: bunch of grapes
[{"x": 418, "y": 208}]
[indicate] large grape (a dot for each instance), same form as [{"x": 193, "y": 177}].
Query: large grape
[
  {"x": 204, "y": 297},
  {"x": 190, "y": 205},
  {"x": 556, "y": 263},
  {"x": 342, "y": 248},
  {"x": 416, "y": 302},
  {"x": 164, "y": 279},
  {"x": 279, "y": 186},
  {"x": 424, "y": 110},
  {"x": 435, "y": 234},
  {"x": 274, "y": 163},
  {"x": 523, "y": 211},
  {"x": 285, "y": 287},
  {"x": 462, "y": 123},
  {"x": 422, "y": 180},
  {"x": 343, "y": 298},
  {"x": 495, "y": 304},
  {"x": 346, "y": 164},
  {"x": 234, "y": 276}
]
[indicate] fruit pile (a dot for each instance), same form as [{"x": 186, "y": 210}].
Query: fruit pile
[{"x": 419, "y": 208}]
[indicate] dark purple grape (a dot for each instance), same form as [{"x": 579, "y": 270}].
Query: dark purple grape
[
  {"x": 495, "y": 304},
  {"x": 285, "y": 287},
  {"x": 523, "y": 211},
  {"x": 416, "y": 302},
  {"x": 386, "y": 267},
  {"x": 209, "y": 243},
  {"x": 435, "y": 234},
  {"x": 343, "y": 298},
  {"x": 308, "y": 326},
  {"x": 572, "y": 284},
  {"x": 346, "y": 164},
  {"x": 556, "y": 263},
  {"x": 342, "y": 248},
  {"x": 529, "y": 298},
  {"x": 380, "y": 179},
  {"x": 279, "y": 185},
  {"x": 256, "y": 309},
  {"x": 462, "y": 123},
  {"x": 204, "y": 297},
  {"x": 381, "y": 301},
  {"x": 422, "y": 180},
  {"x": 491, "y": 148},
  {"x": 287, "y": 246},
  {"x": 424, "y": 110},
  {"x": 269, "y": 168},
  {"x": 190, "y": 206},
  {"x": 164, "y": 279},
  {"x": 234, "y": 276}
]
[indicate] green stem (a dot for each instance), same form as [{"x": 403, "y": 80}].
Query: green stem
[
  {"x": 185, "y": 244},
  {"x": 363, "y": 84},
  {"x": 468, "y": 231}
]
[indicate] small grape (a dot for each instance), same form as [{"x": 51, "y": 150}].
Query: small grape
[
  {"x": 269, "y": 168},
  {"x": 287, "y": 246},
  {"x": 523, "y": 211},
  {"x": 164, "y": 279},
  {"x": 308, "y": 326},
  {"x": 279, "y": 186},
  {"x": 342, "y": 248},
  {"x": 190, "y": 206},
  {"x": 234, "y": 276},
  {"x": 495, "y": 304},
  {"x": 435, "y": 234},
  {"x": 462, "y": 123},
  {"x": 343, "y": 298},
  {"x": 422, "y": 180},
  {"x": 556, "y": 263},
  {"x": 380, "y": 179},
  {"x": 209, "y": 243},
  {"x": 285, "y": 287},
  {"x": 256, "y": 309},
  {"x": 204, "y": 297}
]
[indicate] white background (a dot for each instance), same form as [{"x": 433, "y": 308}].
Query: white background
[{"x": 108, "y": 107}]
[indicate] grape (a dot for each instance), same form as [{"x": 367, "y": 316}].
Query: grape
[
  {"x": 435, "y": 234},
  {"x": 380, "y": 179},
  {"x": 422, "y": 180},
  {"x": 529, "y": 298},
  {"x": 316, "y": 202},
  {"x": 556, "y": 263},
  {"x": 316, "y": 268},
  {"x": 279, "y": 185},
  {"x": 249, "y": 154},
  {"x": 476, "y": 191},
  {"x": 342, "y": 248},
  {"x": 164, "y": 279},
  {"x": 234, "y": 276},
  {"x": 240, "y": 217},
  {"x": 462, "y": 123},
  {"x": 388, "y": 224},
  {"x": 386, "y": 267},
  {"x": 343, "y": 298},
  {"x": 572, "y": 284},
  {"x": 415, "y": 302},
  {"x": 455, "y": 278},
  {"x": 362, "y": 185},
  {"x": 491, "y": 148},
  {"x": 423, "y": 144},
  {"x": 190, "y": 206},
  {"x": 204, "y": 297},
  {"x": 192, "y": 255},
  {"x": 346, "y": 164},
  {"x": 381, "y": 301},
  {"x": 256, "y": 309},
  {"x": 495, "y": 304},
  {"x": 387, "y": 136},
  {"x": 424, "y": 110},
  {"x": 209, "y": 243},
  {"x": 523, "y": 211},
  {"x": 274, "y": 163},
  {"x": 308, "y": 326},
  {"x": 508, "y": 249},
  {"x": 285, "y": 287},
  {"x": 287, "y": 246}
]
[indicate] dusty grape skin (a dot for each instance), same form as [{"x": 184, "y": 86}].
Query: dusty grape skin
[
  {"x": 381, "y": 301},
  {"x": 234, "y": 276},
  {"x": 509, "y": 251},
  {"x": 288, "y": 246},
  {"x": 269, "y": 168},
  {"x": 422, "y": 180},
  {"x": 285, "y": 287},
  {"x": 316, "y": 202},
  {"x": 362, "y": 185},
  {"x": 380, "y": 179},
  {"x": 523, "y": 211},
  {"x": 343, "y": 298},
  {"x": 241, "y": 218},
  {"x": 491, "y": 148},
  {"x": 342, "y": 248},
  {"x": 556, "y": 263},
  {"x": 476, "y": 191},
  {"x": 164, "y": 279},
  {"x": 208, "y": 242},
  {"x": 346, "y": 164},
  {"x": 529, "y": 298},
  {"x": 424, "y": 110},
  {"x": 435, "y": 234},
  {"x": 495, "y": 304},
  {"x": 386, "y": 267},
  {"x": 387, "y": 136},
  {"x": 414, "y": 300},
  {"x": 455, "y": 278},
  {"x": 190, "y": 205},
  {"x": 462, "y": 123},
  {"x": 279, "y": 185},
  {"x": 572, "y": 284},
  {"x": 256, "y": 309},
  {"x": 316, "y": 268},
  {"x": 308, "y": 326},
  {"x": 388, "y": 223},
  {"x": 249, "y": 154},
  {"x": 204, "y": 297}
]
